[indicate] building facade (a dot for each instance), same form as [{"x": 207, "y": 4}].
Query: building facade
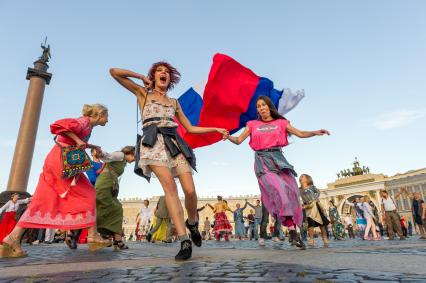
[{"x": 352, "y": 185}]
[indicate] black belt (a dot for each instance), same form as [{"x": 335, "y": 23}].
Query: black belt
[
  {"x": 158, "y": 119},
  {"x": 270, "y": 149}
]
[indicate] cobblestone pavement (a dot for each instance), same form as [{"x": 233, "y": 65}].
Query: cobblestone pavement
[{"x": 235, "y": 261}]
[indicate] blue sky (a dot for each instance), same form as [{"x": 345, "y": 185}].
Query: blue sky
[{"x": 361, "y": 64}]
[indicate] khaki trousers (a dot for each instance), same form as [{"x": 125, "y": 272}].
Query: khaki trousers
[{"x": 393, "y": 223}]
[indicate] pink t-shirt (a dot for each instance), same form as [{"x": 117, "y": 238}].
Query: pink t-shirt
[{"x": 268, "y": 134}]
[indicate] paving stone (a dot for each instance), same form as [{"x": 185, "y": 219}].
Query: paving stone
[
  {"x": 348, "y": 276},
  {"x": 325, "y": 276},
  {"x": 226, "y": 279},
  {"x": 380, "y": 278},
  {"x": 123, "y": 280},
  {"x": 242, "y": 274},
  {"x": 303, "y": 280},
  {"x": 261, "y": 279},
  {"x": 230, "y": 270}
]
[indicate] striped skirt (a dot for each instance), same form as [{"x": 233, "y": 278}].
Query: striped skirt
[{"x": 279, "y": 191}]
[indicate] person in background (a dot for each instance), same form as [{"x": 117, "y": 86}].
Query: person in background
[
  {"x": 418, "y": 209},
  {"x": 162, "y": 226},
  {"x": 206, "y": 229},
  {"x": 349, "y": 226},
  {"x": 315, "y": 213},
  {"x": 239, "y": 220},
  {"x": 337, "y": 227},
  {"x": 410, "y": 228},
  {"x": 390, "y": 214},
  {"x": 361, "y": 222},
  {"x": 93, "y": 173},
  {"x": 144, "y": 218},
  {"x": 257, "y": 219},
  {"x": 8, "y": 223},
  {"x": 369, "y": 216},
  {"x": 222, "y": 225}
]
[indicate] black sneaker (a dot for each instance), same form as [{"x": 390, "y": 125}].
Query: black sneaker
[
  {"x": 195, "y": 234},
  {"x": 185, "y": 251},
  {"x": 148, "y": 237}
]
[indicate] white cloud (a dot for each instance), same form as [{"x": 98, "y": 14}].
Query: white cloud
[{"x": 398, "y": 119}]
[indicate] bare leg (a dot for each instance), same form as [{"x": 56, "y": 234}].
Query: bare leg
[
  {"x": 14, "y": 238},
  {"x": 422, "y": 231},
  {"x": 171, "y": 196},
  {"x": 311, "y": 232},
  {"x": 188, "y": 188},
  {"x": 323, "y": 233},
  {"x": 324, "y": 236}
]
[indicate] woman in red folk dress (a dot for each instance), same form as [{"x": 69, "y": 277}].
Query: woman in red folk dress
[
  {"x": 58, "y": 202},
  {"x": 9, "y": 209}
]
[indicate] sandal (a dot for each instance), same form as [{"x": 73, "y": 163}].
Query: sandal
[
  {"x": 119, "y": 245},
  {"x": 11, "y": 249},
  {"x": 96, "y": 243}
]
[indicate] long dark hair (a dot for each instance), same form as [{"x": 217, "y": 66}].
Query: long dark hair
[{"x": 274, "y": 112}]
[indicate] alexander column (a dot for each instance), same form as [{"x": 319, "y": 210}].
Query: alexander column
[{"x": 24, "y": 149}]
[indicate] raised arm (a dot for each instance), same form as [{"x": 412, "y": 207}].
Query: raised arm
[
  {"x": 305, "y": 134},
  {"x": 238, "y": 140},
  {"x": 201, "y": 208},
  {"x": 244, "y": 207},
  {"x": 250, "y": 204},
  {"x": 349, "y": 203},
  {"x": 21, "y": 201},
  {"x": 403, "y": 190},
  {"x": 194, "y": 129},
  {"x": 124, "y": 77}
]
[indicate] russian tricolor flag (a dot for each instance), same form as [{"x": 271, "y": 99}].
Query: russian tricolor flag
[{"x": 228, "y": 100}]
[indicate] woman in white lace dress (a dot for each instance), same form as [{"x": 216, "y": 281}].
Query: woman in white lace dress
[{"x": 163, "y": 152}]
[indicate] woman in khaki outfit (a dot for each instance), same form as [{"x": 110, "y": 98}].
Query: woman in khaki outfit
[{"x": 315, "y": 213}]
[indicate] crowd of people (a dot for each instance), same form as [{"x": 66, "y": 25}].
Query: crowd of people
[
  {"x": 87, "y": 208},
  {"x": 253, "y": 222}
]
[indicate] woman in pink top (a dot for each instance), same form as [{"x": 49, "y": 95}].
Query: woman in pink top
[{"x": 275, "y": 175}]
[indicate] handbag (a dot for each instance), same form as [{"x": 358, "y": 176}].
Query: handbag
[{"x": 74, "y": 160}]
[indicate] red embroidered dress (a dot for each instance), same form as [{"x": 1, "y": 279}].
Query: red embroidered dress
[{"x": 58, "y": 202}]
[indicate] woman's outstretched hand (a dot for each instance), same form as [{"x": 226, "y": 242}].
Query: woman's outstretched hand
[
  {"x": 322, "y": 132},
  {"x": 223, "y": 132}
]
